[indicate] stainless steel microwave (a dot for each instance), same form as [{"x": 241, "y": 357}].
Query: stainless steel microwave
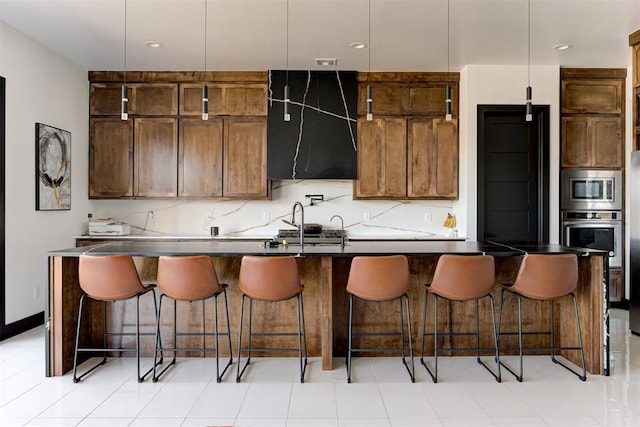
[{"x": 591, "y": 189}]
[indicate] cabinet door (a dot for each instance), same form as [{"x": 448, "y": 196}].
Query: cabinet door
[
  {"x": 382, "y": 158},
  {"x": 153, "y": 99},
  {"x": 225, "y": 99},
  {"x": 430, "y": 99},
  {"x": 156, "y": 157},
  {"x": 575, "y": 142},
  {"x": 592, "y": 141},
  {"x": 200, "y": 158},
  {"x": 110, "y": 158},
  {"x": 592, "y": 96},
  {"x": 105, "y": 99},
  {"x": 245, "y": 158},
  {"x": 432, "y": 159},
  {"x": 606, "y": 140},
  {"x": 615, "y": 285},
  {"x": 388, "y": 99}
]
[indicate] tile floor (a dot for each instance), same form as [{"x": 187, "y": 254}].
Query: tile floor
[{"x": 270, "y": 394}]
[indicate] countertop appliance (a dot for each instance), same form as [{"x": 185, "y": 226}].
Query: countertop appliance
[
  {"x": 589, "y": 189},
  {"x": 108, "y": 228},
  {"x": 323, "y": 237},
  {"x": 595, "y": 230},
  {"x": 634, "y": 253}
]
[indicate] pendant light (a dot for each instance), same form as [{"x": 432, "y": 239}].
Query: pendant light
[
  {"x": 287, "y": 99},
  {"x": 369, "y": 98},
  {"x": 447, "y": 94},
  {"x": 205, "y": 88},
  {"x": 529, "y": 106},
  {"x": 124, "y": 115}
]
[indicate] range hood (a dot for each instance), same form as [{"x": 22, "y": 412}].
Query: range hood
[{"x": 319, "y": 141}]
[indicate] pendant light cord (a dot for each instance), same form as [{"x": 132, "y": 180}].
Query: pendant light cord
[
  {"x": 287, "y": 30},
  {"x": 369, "y": 40},
  {"x": 205, "y": 36},
  {"x": 448, "y": 34},
  {"x": 125, "y": 42},
  {"x": 529, "y": 42}
]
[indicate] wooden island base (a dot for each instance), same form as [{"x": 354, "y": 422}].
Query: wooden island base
[{"x": 325, "y": 306}]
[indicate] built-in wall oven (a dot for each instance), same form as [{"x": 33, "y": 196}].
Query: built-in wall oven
[
  {"x": 595, "y": 230},
  {"x": 588, "y": 189}
]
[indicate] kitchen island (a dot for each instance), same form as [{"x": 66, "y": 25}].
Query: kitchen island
[{"x": 324, "y": 271}]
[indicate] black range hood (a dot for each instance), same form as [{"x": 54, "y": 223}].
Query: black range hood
[{"x": 319, "y": 141}]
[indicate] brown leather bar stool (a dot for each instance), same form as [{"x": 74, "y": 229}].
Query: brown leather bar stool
[
  {"x": 380, "y": 278},
  {"x": 544, "y": 278},
  {"x": 191, "y": 278},
  {"x": 271, "y": 279},
  {"x": 461, "y": 278},
  {"x": 110, "y": 278}
]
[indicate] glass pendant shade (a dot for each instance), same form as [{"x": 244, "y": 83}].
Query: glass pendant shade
[
  {"x": 287, "y": 116},
  {"x": 529, "y": 108},
  {"x": 369, "y": 104},
  {"x": 448, "y": 103},
  {"x": 205, "y": 102},
  {"x": 124, "y": 114}
]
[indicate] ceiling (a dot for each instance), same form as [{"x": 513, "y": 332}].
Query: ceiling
[{"x": 405, "y": 35}]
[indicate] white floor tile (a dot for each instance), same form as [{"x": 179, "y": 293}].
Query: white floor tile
[{"x": 270, "y": 393}]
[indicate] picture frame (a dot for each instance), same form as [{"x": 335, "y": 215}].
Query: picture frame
[{"x": 53, "y": 168}]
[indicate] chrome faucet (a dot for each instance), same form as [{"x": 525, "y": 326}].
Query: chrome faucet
[
  {"x": 293, "y": 221},
  {"x": 341, "y": 228}
]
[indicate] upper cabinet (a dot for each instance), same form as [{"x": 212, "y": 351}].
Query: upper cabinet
[
  {"x": 634, "y": 41},
  {"x": 409, "y": 150},
  {"x": 144, "y": 99},
  {"x": 225, "y": 99},
  {"x": 592, "y": 127},
  {"x": 165, "y": 149}
]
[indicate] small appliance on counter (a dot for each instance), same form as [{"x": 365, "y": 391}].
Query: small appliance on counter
[{"x": 109, "y": 228}]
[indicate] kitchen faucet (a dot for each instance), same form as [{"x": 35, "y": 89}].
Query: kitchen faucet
[
  {"x": 341, "y": 228},
  {"x": 293, "y": 221}
]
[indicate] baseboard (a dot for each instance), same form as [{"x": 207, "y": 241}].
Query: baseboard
[{"x": 20, "y": 326}]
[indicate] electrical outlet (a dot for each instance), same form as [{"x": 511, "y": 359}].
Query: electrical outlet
[
  {"x": 89, "y": 216},
  {"x": 367, "y": 216},
  {"x": 266, "y": 216},
  {"x": 36, "y": 292},
  {"x": 427, "y": 217}
]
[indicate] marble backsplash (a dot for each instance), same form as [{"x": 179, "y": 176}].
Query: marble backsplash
[{"x": 260, "y": 218}]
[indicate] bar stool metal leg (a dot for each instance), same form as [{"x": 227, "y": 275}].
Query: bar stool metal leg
[
  {"x": 411, "y": 370},
  {"x": 350, "y": 338}
]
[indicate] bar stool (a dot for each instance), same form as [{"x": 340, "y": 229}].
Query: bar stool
[
  {"x": 271, "y": 279},
  {"x": 110, "y": 278},
  {"x": 380, "y": 278},
  {"x": 461, "y": 278},
  {"x": 191, "y": 278},
  {"x": 544, "y": 278}
]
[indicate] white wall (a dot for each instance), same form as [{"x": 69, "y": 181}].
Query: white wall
[
  {"x": 500, "y": 84},
  {"x": 41, "y": 87}
]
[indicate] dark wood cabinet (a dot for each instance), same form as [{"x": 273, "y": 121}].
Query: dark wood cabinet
[
  {"x": 616, "y": 283},
  {"x": 245, "y": 158},
  {"x": 110, "y": 158},
  {"x": 592, "y": 141},
  {"x": 382, "y": 158},
  {"x": 144, "y": 99},
  {"x": 432, "y": 170},
  {"x": 225, "y": 99},
  {"x": 155, "y": 157},
  {"x": 409, "y": 150},
  {"x": 200, "y": 158},
  {"x": 165, "y": 150},
  {"x": 593, "y": 108}
]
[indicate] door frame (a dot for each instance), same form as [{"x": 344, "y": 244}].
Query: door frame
[{"x": 541, "y": 118}]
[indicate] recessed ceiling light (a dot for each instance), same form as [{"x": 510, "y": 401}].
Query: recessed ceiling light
[
  {"x": 562, "y": 46},
  {"x": 153, "y": 44},
  {"x": 357, "y": 45},
  {"x": 326, "y": 62}
]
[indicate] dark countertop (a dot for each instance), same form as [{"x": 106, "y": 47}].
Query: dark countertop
[{"x": 353, "y": 248}]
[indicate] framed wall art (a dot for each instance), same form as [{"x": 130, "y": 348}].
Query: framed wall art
[{"x": 53, "y": 168}]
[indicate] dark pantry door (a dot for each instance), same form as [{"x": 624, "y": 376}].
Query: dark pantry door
[{"x": 513, "y": 174}]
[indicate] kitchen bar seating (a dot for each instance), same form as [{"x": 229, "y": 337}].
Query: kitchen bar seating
[
  {"x": 376, "y": 279},
  {"x": 544, "y": 278},
  {"x": 188, "y": 279},
  {"x": 270, "y": 279},
  {"x": 110, "y": 278},
  {"x": 461, "y": 278}
]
